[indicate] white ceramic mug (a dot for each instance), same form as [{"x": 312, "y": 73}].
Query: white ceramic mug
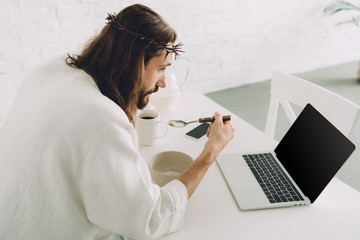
[
  {"x": 167, "y": 166},
  {"x": 149, "y": 127}
]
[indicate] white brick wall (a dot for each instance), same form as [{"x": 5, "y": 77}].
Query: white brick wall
[{"x": 228, "y": 43}]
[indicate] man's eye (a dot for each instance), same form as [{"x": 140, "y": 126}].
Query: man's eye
[{"x": 162, "y": 69}]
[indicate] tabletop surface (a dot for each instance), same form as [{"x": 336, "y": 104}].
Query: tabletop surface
[{"x": 212, "y": 211}]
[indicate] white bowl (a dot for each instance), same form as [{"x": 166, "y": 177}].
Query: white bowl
[{"x": 167, "y": 166}]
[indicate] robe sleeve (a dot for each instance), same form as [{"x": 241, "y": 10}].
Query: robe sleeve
[{"x": 115, "y": 183}]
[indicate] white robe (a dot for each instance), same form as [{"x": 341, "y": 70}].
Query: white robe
[{"x": 70, "y": 166}]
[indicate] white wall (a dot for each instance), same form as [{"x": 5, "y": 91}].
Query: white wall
[{"x": 227, "y": 42}]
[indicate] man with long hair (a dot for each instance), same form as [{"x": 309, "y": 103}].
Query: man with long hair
[{"x": 70, "y": 165}]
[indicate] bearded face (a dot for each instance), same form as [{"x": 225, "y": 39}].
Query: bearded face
[
  {"x": 144, "y": 97},
  {"x": 154, "y": 77}
]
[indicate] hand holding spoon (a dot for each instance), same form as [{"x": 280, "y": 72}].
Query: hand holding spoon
[{"x": 180, "y": 123}]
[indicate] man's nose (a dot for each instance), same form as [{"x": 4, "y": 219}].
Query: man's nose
[{"x": 162, "y": 82}]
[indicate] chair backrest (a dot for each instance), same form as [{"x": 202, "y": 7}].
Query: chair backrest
[{"x": 286, "y": 89}]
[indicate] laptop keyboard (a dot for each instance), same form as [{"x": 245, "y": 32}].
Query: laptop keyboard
[{"x": 272, "y": 179}]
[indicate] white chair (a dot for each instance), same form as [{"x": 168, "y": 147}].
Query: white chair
[
  {"x": 342, "y": 113},
  {"x": 286, "y": 89}
]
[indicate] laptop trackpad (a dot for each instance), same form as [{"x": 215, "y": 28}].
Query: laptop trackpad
[
  {"x": 244, "y": 186},
  {"x": 231, "y": 160}
]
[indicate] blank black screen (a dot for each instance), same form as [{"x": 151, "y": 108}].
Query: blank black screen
[{"x": 312, "y": 151}]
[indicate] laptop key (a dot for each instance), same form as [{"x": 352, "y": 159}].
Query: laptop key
[
  {"x": 283, "y": 198},
  {"x": 277, "y": 199}
]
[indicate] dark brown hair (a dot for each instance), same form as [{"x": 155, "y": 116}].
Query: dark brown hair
[{"x": 116, "y": 60}]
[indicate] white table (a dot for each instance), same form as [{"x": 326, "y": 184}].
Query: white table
[{"x": 212, "y": 211}]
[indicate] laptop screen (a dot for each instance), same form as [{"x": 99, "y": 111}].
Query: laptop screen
[{"x": 312, "y": 151}]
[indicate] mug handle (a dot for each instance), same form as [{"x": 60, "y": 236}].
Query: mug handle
[{"x": 165, "y": 128}]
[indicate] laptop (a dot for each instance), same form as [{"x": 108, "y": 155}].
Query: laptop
[{"x": 296, "y": 172}]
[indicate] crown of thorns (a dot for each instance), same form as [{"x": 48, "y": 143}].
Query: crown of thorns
[{"x": 176, "y": 49}]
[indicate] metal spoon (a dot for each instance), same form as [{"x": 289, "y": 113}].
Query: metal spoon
[{"x": 180, "y": 123}]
